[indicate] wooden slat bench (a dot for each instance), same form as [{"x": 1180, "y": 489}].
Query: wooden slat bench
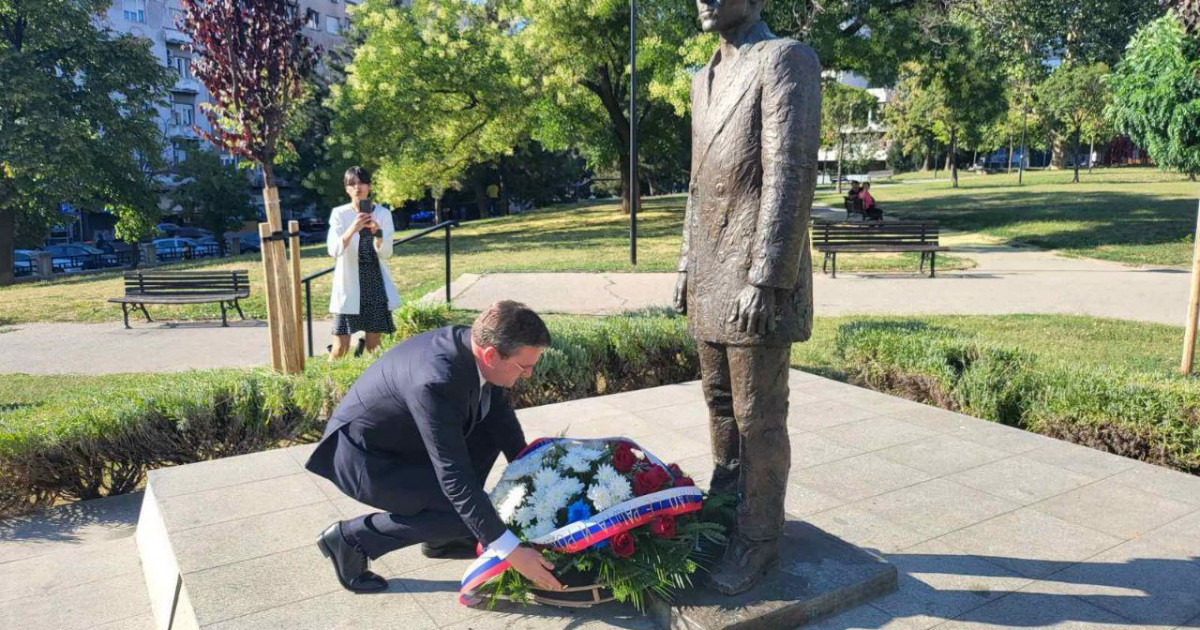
[
  {"x": 831, "y": 238},
  {"x": 184, "y": 287}
]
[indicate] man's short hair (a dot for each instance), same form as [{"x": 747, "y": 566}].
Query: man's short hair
[
  {"x": 509, "y": 326},
  {"x": 356, "y": 175}
]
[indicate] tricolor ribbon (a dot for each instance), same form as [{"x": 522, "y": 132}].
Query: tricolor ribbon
[{"x": 577, "y": 536}]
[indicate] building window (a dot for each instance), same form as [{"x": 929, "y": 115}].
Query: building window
[
  {"x": 312, "y": 19},
  {"x": 333, "y": 25},
  {"x": 182, "y": 66},
  {"x": 183, "y": 115},
  {"x": 135, "y": 11},
  {"x": 179, "y": 151}
]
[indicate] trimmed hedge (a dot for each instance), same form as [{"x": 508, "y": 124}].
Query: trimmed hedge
[
  {"x": 102, "y": 442},
  {"x": 1154, "y": 419}
]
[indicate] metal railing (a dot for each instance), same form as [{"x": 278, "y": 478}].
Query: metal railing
[{"x": 307, "y": 280}]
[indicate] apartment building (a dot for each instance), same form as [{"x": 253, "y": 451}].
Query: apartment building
[{"x": 161, "y": 21}]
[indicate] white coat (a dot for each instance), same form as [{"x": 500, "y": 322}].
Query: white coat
[{"x": 344, "y": 299}]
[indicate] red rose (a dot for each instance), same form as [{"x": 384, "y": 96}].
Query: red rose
[
  {"x": 660, "y": 474},
  {"x": 663, "y": 527},
  {"x": 645, "y": 483},
  {"x": 676, "y": 470},
  {"x": 623, "y": 460},
  {"x": 684, "y": 482},
  {"x": 622, "y": 545}
]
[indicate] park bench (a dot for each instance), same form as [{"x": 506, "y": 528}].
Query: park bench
[
  {"x": 831, "y": 238},
  {"x": 874, "y": 176},
  {"x": 184, "y": 287}
]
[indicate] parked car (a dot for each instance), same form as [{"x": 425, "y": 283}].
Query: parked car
[
  {"x": 421, "y": 217},
  {"x": 170, "y": 249},
  {"x": 193, "y": 233},
  {"x": 77, "y": 257},
  {"x": 250, "y": 242},
  {"x": 169, "y": 230},
  {"x": 24, "y": 263}
]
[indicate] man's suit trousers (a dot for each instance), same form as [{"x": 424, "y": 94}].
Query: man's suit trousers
[{"x": 417, "y": 511}]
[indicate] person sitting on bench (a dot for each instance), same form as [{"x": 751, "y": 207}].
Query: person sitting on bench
[{"x": 870, "y": 210}]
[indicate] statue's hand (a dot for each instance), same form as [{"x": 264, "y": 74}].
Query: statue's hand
[
  {"x": 681, "y": 293},
  {"x": 754, "y": 310}
]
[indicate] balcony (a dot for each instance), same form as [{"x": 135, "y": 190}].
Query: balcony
[
  {"x": 181, "y": 131},
  {"x": 173, "y": 35},
  {"x": 186, "y": 85}
]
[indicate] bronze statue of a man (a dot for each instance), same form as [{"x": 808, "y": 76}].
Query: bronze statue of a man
[{"x": 745, "y": 272}]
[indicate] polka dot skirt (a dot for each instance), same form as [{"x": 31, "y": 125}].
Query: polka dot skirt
[{"x": 373, "y": 314}]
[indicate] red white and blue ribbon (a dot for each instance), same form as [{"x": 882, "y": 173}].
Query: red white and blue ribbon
[{"x": 578, "y": 536}]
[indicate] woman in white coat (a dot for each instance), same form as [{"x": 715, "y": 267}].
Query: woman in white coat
[{"x": 363, "y": 295}]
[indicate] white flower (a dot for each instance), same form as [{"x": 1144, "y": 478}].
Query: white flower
[
  {"x": 590, "y": 454},
  {"x": 600, "y": 496},
  {"x": 620, "y": 490},
  {"x": 544, "y": 479},
  {"x": 512, "y": 500},
  {"x": 608, "y": 475},
  {"x": 575, "y": 462},
  {"x": 560, "y": 494},
  {"x": 523, "y": 467},
  {"x": 539, "y": 529},
  {"x": 524, "y": 516}
]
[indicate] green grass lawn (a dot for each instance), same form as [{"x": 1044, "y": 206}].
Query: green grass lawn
[
  {"x": 1132, "y": 347},
  {"x": 578, "y": 237},
  {"x": 1131, "y": 215}
]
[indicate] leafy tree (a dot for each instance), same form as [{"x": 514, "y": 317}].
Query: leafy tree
[
  {"x": 844, "y": 114},
  {"x": 1156, "y": 95},
  {"x": 254, "y": 61},
  {"x": 79, "y": 123},
  {"x": 911, "y": 115},
  {"x": 1074, "y": 95},
  {"x": 430, "y": 93},
  {"x": 212, "y": 194},
  {"x": 577, "y": 53}
]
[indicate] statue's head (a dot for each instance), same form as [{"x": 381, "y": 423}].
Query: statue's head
[{"x": 722, "y": 16}]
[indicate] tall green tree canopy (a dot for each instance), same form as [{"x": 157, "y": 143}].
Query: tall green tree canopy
[
  {"x": 77, "y": 120},
  {"x": 212, "y": 194},
  {"x": 844, "y": 114},
  {"x": 1156, "y": 94},
  {"x": 1074, "y": 95},
  {"x": 430, "y": 92},
  {"x": 578, "y": 56}
]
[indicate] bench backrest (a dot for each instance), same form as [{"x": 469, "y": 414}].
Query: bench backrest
[
  {"x": 187, "y": 282},
  {"x": 875, "y": 233}
]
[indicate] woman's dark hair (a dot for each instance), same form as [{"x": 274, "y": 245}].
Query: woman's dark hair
[{"x": 356, "y": 175}]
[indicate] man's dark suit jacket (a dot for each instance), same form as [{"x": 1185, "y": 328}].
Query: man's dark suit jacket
[{"x": 407, "y": 419}]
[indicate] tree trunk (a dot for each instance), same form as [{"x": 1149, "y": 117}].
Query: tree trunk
[
  {"x": 950, "y": 153},
  {"x": 1058, "y": 152},
  {"x": 8, "y": 230},
  {"x": 953, "y": 152},
  {"x": 1010, "y": 153},
  {"x": 1075, "y": 157},
  {"x": 438, "y": 217},
  {"x": 481, "y": 198},
  {"x": 841, "y": 146},
  {"x": 1091, "y": 153}
]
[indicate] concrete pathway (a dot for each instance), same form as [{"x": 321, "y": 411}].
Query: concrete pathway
[
  {"x": 989, "y": 527},
  {"x": 1006, "y": 280}
]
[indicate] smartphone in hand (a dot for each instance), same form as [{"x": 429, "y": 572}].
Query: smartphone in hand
[{"x": 365, "y": 205}]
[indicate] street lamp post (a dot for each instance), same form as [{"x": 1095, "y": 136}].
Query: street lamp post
[{"x": 635, "y": 190}]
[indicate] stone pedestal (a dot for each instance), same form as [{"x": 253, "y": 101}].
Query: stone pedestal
[{"x": 819, "y": 575}]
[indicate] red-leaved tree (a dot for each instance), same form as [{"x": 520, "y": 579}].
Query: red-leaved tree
[{"x": 254, "y": 61}]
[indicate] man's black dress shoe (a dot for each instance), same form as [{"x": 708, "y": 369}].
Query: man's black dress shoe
[
  {"x": 349, "y": 564},
  {"x": 460, "y": 549}
]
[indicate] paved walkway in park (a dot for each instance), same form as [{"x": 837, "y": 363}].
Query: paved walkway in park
[
  {"x": 1005, "y": 280},
  {"x": 988, "y": 526}
]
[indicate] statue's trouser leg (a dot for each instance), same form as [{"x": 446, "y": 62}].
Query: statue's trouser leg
[
  {"x": 759, "y": 379},
  {"x": 718, "y": 393}
]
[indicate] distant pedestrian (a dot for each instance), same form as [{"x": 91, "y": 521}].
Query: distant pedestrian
[
  {"x": 360, "y": 239},
  {"x": 870, "y": 210}
]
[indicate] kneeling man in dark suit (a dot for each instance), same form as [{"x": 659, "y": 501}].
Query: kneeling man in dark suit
[{"x": 416, "y": 436}]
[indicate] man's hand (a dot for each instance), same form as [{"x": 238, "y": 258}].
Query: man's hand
[
  {"x": 681, "y": 293},
  {"x": 754, "y": 310},
  {"x": 533, "y": 565}
]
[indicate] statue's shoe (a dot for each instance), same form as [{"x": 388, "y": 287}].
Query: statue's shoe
[
  {"x": 349, "y": 564},
  {"x": 743, "y": 565}
]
